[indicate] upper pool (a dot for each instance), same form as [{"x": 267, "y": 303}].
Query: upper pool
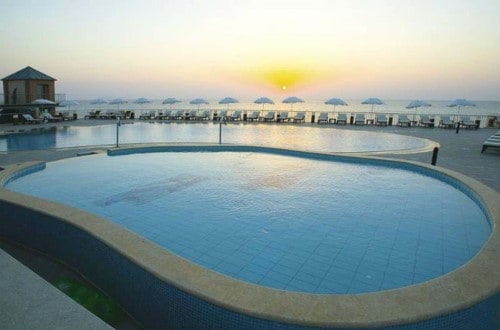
[
  {"x": 277, "y": 220},
  {"x": 325, "y": 139}
]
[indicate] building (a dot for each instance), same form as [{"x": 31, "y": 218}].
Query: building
[{"x": 27, "y": 85}]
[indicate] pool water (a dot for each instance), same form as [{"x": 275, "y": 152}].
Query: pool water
[
  {"x": 285, "y": 136},
  {"x": 279, "y": 221}
]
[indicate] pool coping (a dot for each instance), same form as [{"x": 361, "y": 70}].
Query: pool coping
[{"x": 460, "y": 289}]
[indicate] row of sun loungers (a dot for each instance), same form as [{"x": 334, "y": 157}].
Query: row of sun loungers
[
  {"x": 45, "y": 117},
  {"x": 492, "y": 142},
  {"x": 299, "y": 117}
]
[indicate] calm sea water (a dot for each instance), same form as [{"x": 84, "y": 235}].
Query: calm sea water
[{"x": 390, "y": 106}]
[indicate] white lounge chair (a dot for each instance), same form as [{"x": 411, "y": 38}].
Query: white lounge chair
[
  {"x": 253, "y": 116},
  {"x": 148, "y": 115},
  {"x": 234, "y": 116},
  {"x": 269, "y": 116},
  {"x": 492, "y": 142},
  {"x": 46, "y": 116},
  {"x": 469, "y": 123},
  {"x": 381, "y": 120},
  {"x": 28, "y": 119},
  {"x": 323, "y": 118},
  {"x": 446, "y": 122},
  {"x": 359, "y": 119},
  {"x": 341, "y": 119},
  {"x": 205, "y": 115},
  {"x": 282, "y": 117},
  {"x": 426, "y": 121},
  {"x": 299, "y": 117},
  {"x": 219, "y": 116},
  {"x": 403, "y": 120}
]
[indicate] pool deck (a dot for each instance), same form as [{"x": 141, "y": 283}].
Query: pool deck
[{"x": 28, "y": 301}]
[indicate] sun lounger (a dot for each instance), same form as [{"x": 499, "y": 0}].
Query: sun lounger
[
  {"x": 65, "y": 115},
  {"x": 283, "y": 116},
  {"x": 92, "y": 114},
  {"x": 299, "y": 117},
  {"x": 323, "y": 118},
  {"x": 148, "y": 115},
  {"x": 46, "y": 116},
  {"x": 469, "y": 123},
  {"x": 359, "y": 119},
  {"x": 341, "y": 119},
  {"x": 446, "y": 122},
  {"x": 163, "y": 114},
  {"x": 107, "y": 115},
  {"x": 205, "y": 115},
  {"x": 426, "y": 121},
  {"x": 403, "y": 120},
  {"x": 234, "y": 116},
  {"x": 220, "y": 115},
  {"x": 253, "y": 116},
  {"x": 492, "y": 142},
  {"x": 191, "y": 115},
  {"x": 269, "y": 116},
  {"x": 381, "y": 120},
  {"x": 28, "y": 119}
]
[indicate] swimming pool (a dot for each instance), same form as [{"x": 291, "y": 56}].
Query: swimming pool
[
  {"x": 302, "y": 206},
  {"x": 326, "y": 139}
]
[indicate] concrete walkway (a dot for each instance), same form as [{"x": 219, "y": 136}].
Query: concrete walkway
[{"x": 27, "y": 301}]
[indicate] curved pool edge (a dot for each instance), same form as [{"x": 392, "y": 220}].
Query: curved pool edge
[{"x": 457, "y": 291}]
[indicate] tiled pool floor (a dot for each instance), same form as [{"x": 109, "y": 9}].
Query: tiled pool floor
[{"x": 284, "y": 222}]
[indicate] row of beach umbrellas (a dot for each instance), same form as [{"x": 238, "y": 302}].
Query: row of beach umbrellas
[{"x": 459, "y": 103}]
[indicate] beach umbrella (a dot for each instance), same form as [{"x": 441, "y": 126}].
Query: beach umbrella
[
  {"x": 461, "y": 103},
  {"x": 171, "y": 100},
  {"x": 291, "y": 100},
  {"x": 334, "y": 101},
  {"x": 198, "y": 101},
  {"x": 263, "y": 100},
  {"x": 43, "y": 102},
  {"x": 99, "y": 101},
  {"x": 118, "y": 102},
  {"x": 142, "y": 101},
  {"x": 373, "y": 101},
  {"x": 415, "y": 104},
  {"x": 228, "y": 101}
]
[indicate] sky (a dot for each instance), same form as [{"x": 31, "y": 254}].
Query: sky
[{"x": 398, "y": 49}]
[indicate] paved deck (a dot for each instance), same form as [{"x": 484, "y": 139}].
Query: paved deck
[{"x": 27, "y": 301}]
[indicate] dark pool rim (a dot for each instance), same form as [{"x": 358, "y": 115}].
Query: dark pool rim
[{"x": 454, "y": 294}]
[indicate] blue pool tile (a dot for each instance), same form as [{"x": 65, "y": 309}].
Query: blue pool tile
[
  {"x": 250, "y": 276},
  {"x": 361, "y": 287},
  {"x": 276, "y": 277},
  {"x": 330, "y": 287},
  {"x": 308, "y": 278},
  {"x": 208, "y": 261},
  {"x": 228, "y": 268},
  {"x": 255, "y": 268},
  {"x": 302, "y": 286}
]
